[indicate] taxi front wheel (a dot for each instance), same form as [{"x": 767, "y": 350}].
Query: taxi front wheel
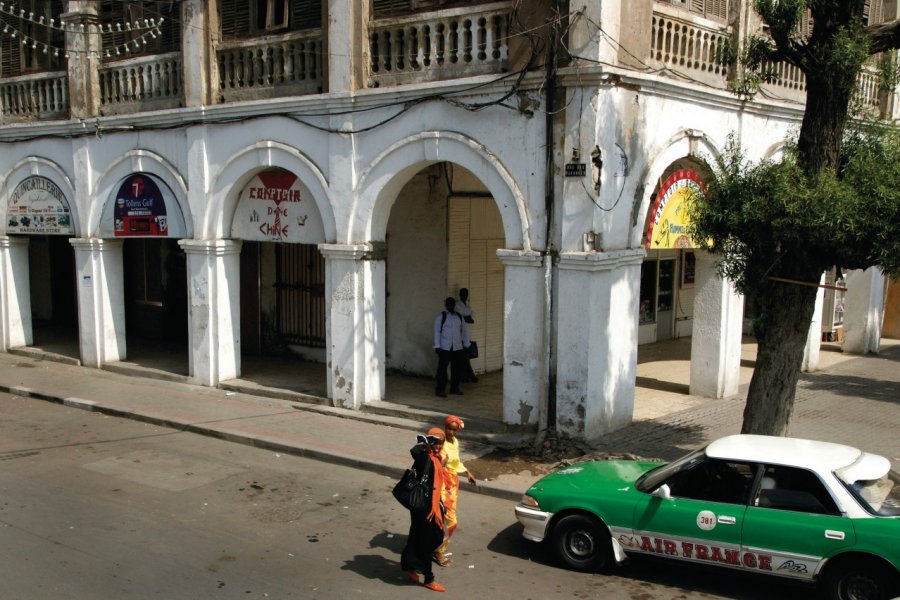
[
  {"x": 860, "y": 580},
  {"x": 582, "y": 543}
]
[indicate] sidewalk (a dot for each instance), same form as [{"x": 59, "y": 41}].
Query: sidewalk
[{"x": 855, "y": 400}]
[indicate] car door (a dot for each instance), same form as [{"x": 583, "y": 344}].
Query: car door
[
  {"x": 702, "y": 519},
  {"x": 793, "y": 522}
]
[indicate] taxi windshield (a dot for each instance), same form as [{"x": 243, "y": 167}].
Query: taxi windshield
[
  {"x": 879, "y": 496},
  {"x": 650, "y": 480}
]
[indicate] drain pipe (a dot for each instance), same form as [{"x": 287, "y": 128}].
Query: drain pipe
[{"x": 547, "y": 402}]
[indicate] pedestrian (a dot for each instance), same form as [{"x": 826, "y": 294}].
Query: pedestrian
[
  {"x": 451, "y": 339},
  {"x": 453, "y": 468},
  {"x": 465, "y": 311},
  {"x": 426, "y": 525}
]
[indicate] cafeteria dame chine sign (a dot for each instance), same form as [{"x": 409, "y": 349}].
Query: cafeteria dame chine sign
[
  {"x": 275, "y": 206},
  {"x": 38, "y": 206}
]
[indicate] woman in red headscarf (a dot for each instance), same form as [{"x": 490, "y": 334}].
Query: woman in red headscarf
[
  {"x": 426, "y": 528},
  {"x": 453, "y": 468}
]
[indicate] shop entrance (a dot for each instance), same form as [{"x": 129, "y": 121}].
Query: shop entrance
[{"x": 54, "y": 310}]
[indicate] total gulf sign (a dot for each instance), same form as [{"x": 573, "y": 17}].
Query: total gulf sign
[
  {"x": 275, "y": 206},
  {"x": 38, "y": 206},
  {"x": 143, "y": 206},
  {"x": 668, "y": 224}
]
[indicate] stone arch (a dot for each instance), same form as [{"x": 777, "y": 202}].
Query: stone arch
[
  {"x": 775, "y": 151},
  {"x": 686, "y": 144},
  {"x": 380, "y": 184},
  {"x": 135, "y": 161},
  {"x": 42, "y": 167},
  {"x": 244, "y": 165}
]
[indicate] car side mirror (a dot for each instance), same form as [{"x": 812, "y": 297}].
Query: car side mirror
[{"x": 663, "y": 492}]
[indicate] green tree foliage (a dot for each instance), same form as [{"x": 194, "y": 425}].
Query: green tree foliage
[{"x": 832, "y": 200}]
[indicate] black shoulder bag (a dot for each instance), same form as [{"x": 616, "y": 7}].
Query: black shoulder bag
[{"x": 412, "y": 492}]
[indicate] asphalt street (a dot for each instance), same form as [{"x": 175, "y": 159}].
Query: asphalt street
[{"x": 99, "y": 507}]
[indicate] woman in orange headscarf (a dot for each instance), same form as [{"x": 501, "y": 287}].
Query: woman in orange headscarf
[
  {"x": 426, "y": 528},
  {"x": 453, "y": 468}
]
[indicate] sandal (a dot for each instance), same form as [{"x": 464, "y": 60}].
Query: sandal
[
  {"x": 440, "y": 559},
  {"x": 412, "y": 576},
  {"x": 435, "y": 586}
]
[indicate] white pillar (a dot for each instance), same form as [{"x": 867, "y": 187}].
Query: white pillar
[
  {"x": 101, "y": 300},
  {"x": 213, "y": 272},
  {"x": 198, "y": 19},
  {"x": 15, "y": 293},
  {"x": 596, "y": 348},
  {"x": 716, "y": 337},
  {"x": 814, "y": 337},
  {"x": 346, "y": 35},
  {"x": 525, "y": 347},
  {"x": 354, "y": 324},
  {"x": 863, "y": 310}
]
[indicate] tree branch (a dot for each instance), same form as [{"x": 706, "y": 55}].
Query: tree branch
[{"x": 883, "y": 36}]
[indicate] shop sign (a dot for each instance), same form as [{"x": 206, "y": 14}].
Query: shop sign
[
  {"x": 276, "y": 207},
  {"x": 668, "y": 218},
  {"x": 38, "y": 206},
  {"x": 140, "y": 209}
]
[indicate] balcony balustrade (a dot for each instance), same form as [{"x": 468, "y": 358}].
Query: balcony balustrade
[
  {"x": 44, "y": 96},
  {"x": 140, "y": 84},
  {"x": 691, "y": 47},
  {"x": 440, "y": 45},
  {"x": 274, "y": 66}
]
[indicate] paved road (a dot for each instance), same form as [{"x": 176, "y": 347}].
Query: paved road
[{"x": 97, "y": 507}]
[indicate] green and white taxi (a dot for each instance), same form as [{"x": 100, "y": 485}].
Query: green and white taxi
[{"x": 796, "y": 508}]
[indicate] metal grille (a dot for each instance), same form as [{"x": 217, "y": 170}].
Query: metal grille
[{"x": 300, "y": 299}]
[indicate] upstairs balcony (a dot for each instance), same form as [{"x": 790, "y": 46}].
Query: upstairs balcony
[
  {"x": 439, "y": 45},
  {"x": 42, "y": 96},
  {"x": 690, "y": 47}
]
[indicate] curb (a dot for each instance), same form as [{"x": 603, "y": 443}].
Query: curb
[{"x": 485, "y": 488}]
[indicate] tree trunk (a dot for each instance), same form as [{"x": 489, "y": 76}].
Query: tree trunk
[{"x": 786, "y": 310}]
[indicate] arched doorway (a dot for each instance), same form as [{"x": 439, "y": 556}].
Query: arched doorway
[
  {"x": 282, "y": 292},
  {"x": 443, "y": 234},
  {"x": 39, "y": 210},
  {"x": 145, "y": 214}
]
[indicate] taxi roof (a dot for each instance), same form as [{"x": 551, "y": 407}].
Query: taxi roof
[{"x": 810, "y": 454}]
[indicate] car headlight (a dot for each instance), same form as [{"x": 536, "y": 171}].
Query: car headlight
[{"x": 529, "y": 501}]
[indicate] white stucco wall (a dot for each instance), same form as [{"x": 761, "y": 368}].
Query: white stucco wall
[{"x": 416, "y": 272}]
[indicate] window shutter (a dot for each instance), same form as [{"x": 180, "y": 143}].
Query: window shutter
[
  {"x": 11, "y": 55},
  {"x": 697, "y": 6},
  {"x": 234, "y": 17},
  {"x": 391, "y": 8},
  {"x": 306, "y": 14}
]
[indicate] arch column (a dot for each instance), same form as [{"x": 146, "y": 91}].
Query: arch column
[
  {"x": 354, "y": 323},
  {"x": 526, "y": 333},
  {"x": 101, "y": 300},
  {"x": 716, "y": 343},
  {"x": 213, "y": 272},
  {"x": 864, "y": 310},
  {"x": 15, "y": 293},
  {"x": 596, "y": 349},
  {"x": 813, "y": 346}
]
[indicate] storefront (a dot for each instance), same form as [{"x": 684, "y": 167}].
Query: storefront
[{"x": 666, "y": 303}]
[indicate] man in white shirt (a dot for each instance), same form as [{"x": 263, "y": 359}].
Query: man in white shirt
[{"x": 451, "y": 338}]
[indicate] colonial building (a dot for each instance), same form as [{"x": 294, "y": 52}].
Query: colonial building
[{"x": 314, "y": 176}]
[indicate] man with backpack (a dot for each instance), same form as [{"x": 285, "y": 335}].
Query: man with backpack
[{"x": 451, "y": 339}]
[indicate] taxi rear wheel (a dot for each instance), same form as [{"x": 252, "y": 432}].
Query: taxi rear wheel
[
  {"x": 859, "y": 580},
  {"x": 582, "y": 543}
]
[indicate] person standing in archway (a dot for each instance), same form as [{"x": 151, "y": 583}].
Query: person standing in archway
[
  {"x": 465, "y": 311},
  {"x": 451, "y": 338}
]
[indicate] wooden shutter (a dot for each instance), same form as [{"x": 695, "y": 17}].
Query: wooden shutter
[
  {"x": 306, "y": 14},
  {"x": 10, "y": 53},
  {"x": 234, "y": 16}
]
